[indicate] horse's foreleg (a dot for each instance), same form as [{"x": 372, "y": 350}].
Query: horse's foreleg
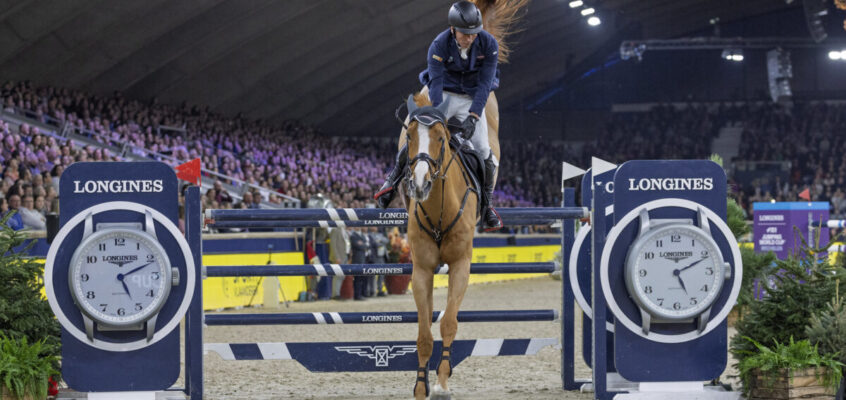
[
  {"x": 421, "y": 285},
  {"x": 459, "y": 275}
]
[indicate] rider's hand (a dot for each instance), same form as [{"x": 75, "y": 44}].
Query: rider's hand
[{"x": 468, "y": 127}]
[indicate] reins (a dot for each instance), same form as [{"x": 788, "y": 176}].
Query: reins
[{"x": 438, "y": 232}]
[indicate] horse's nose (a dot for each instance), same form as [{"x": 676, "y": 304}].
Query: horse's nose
[{"x": 421, "y": 193}]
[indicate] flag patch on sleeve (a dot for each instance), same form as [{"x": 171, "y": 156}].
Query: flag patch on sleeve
[{"x": 437, "y": 57}]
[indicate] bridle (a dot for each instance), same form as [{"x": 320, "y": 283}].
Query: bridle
[{"x": 431, "y": 116}]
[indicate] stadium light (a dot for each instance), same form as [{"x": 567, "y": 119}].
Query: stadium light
[
  {"x": 588, "y": 11},
  {"x": 576, "y": 3},
  {"x": 735, "y": 55},
  {"x": 834, "y": 55},
  {"x": 594, "y": 21}
]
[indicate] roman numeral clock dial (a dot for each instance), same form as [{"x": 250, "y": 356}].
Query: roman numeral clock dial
[{"x": 674, "y": 273}]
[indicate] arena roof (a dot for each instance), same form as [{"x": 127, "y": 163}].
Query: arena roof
[{"x": 342, "y": 64}]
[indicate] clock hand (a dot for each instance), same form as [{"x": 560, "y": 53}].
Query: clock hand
[
  {"x": 137, "y": 269},
  {"x": 121, "y": 277},
  {"x": 682, "y": 283},
  {"x": 691, "y": 265},
  {"x": 677, "y": 274},
  {"x": 125, "y": 287}
]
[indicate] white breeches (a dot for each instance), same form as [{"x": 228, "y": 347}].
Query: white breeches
[{"x": 459, "y": 107}]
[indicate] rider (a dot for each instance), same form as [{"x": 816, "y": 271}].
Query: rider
[{"x": 462, "y": 70}]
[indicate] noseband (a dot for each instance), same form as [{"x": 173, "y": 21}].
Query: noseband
[
  {"x": 433, "y": 164},
  {"x": 428, "y": 116}
]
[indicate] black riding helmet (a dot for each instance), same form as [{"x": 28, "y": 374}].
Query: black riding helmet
[{"x": 465, "y": 17}]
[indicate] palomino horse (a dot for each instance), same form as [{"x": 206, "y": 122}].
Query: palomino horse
[
  {"x": 442, "y": 217},
  {"x": 442, "y": 207}
]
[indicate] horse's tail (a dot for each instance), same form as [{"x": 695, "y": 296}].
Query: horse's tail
[{"x": 498, "y": 18}]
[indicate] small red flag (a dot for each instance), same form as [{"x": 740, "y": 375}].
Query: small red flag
[
  {"x": 806, "y": 194},
  {"x": 189, "y": 171}
]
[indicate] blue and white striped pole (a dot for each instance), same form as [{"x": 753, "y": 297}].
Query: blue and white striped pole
[
  {"x": 389, "y": 317},
  {"x": 249, "y": 223},
  {"x": 832, "y": 223},
  {"x": 371, "y": 269},
  {"x": 375, "y": 214}
]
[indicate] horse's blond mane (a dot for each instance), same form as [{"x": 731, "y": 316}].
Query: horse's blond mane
[{"x": 498, "y": 18}]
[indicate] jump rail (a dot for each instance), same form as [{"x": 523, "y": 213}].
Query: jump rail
[
  {"x": 832, "y": 223},
  {"x": 357, "y": 214},
  {"x": 372, "y": 269},
  {"x": 372, "y": 355},
  {"x": 349, "y": 224},
  {"x": 387, "y": 317}
]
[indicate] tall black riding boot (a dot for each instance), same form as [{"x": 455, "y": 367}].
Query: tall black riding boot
[
  {"x": 489, "y": 215},
  {"x": 386, "y": 193}
]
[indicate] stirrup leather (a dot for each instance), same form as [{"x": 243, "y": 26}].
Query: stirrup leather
[
  {"x": 424, "y": 379},
  {"x": 448, "y": 351}
]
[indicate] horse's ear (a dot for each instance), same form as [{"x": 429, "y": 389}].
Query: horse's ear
[
  {"x": 410, "y": 104},
  {"x": 444, "y": 106}
]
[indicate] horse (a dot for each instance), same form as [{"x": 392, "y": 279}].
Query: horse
[{"x": 442, "y": 207}]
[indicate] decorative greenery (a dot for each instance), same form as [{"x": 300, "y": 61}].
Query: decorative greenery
[
  {"x": 796, "y": 288},
  {"x": 25, "y": 368},
  {"x": 793, "y": 356},
  {"x": 755, "y": 266},
  {"x": 827, "y": 329},
  {"x": 736, "y": 219},
  {"x": 24, "y": 312}
]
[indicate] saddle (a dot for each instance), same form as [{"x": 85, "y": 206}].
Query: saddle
[{"x": 472, "y": 161}]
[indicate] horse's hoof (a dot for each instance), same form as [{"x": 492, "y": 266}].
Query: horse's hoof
[{"x": 439, "y": 393}]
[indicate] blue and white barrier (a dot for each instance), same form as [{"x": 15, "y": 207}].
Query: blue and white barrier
[
  {"x": 349, "y": 224},
  {"x": 832, "y": 223},
  {"x": 372, "y": 269},
  {"x": 384, "y": 356},
  {"x": 389, "y": 317},
  {"x": 361, "y": 214},
  {"x": 359, "y": 356}
]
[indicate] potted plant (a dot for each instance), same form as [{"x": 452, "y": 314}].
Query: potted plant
[
  {"x": 24, "y": 312},
  {"x": 827, "y": 330},
  {"x": 795, "y": 370},
  {"x": 25, "y": 368},
  {"x": 796, "y": 288}
]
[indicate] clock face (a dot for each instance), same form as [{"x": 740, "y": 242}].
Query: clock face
[
  {"x": 120, "y": 277},
  {"x": 675, "y": 272}
]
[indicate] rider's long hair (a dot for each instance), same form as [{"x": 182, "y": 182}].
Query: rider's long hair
[{"x": 498, "y": 18}]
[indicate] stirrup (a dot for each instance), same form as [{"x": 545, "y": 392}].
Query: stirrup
[
  {"x": 499, "y": 224},
  {"x": 385, "y": 196},
  {"x": 424, "y": 379},
  {"x": 382, "y": 192},
  {"x": 448, "y": 350}
]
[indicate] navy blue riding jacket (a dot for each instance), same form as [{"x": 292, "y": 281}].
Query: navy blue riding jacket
[{"x": 476, "y": 76}]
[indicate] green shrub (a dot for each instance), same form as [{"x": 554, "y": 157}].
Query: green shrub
[
  {"x": 793, "y": 356},
  {"x": 755, "y": 266},
  {"x": 24, "y": 312},
  {"x": 827, "y": 330},
  {"x": 736, "y": 219},
  {"x": 799, "y": 286},
  {"x": 25, "y": 368}
]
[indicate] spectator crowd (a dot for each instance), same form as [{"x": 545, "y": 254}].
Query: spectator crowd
[
  {"x": 810, "y": 138},
  {"x": 296, "y": 160}
]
